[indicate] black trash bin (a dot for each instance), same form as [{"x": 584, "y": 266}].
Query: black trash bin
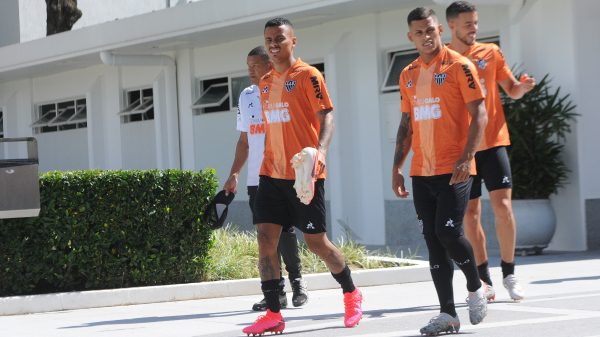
[{"x": 19, "y": 183}]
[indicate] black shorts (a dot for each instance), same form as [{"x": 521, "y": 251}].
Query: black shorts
[
  {"x": 276, "y": 202},
  {"x": 252, "y": 199},
  {"x": 440, "y": 207},
  {"x": 494, "y": 168}
]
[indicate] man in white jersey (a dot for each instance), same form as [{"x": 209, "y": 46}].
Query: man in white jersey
[{"x": 250, "y": 147}]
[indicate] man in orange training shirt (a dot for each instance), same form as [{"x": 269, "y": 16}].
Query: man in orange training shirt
[
  {"x": 298, "y": 113},
  {"x": 491, "y": 159},
  {"x": 443, "y": 118}
]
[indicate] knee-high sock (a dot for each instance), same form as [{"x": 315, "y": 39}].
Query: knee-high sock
[
  {"x": 442, "y": 272},
  {"x": 460, "y": 250},
  {"x": 270, "y": 289}
]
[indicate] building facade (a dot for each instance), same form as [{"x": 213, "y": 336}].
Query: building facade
[{"x": 154, "y": 84}]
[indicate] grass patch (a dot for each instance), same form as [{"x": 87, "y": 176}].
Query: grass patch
[{"x": 234, "y": 255}]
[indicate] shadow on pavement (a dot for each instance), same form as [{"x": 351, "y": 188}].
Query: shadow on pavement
[
  {"x": 158, "y": 319},
  {"x": 545, "y": 257},
  {"x": 571, "y": 279}
]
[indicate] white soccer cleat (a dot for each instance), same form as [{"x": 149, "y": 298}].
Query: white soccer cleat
[
  {"x": 515, "y": 290},
  {"x": 441, "y": 323},
  {"x": 304, "y": 163},
  {"x": 477, "y": 306}
]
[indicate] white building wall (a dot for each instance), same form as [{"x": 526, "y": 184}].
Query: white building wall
[
  {"x": 352, "y": 76},
  {"x": 214, "y": 142},
  {"x": 95, "y": 12},
  {"x": 531, "y": 32},
  {"x": 138, "y": 139},
  {"x": 135, "y": 77},
  {"x": 106, "y": 142},
  {"x": 587, "y": 70},
  {"x": 63, "y": 86},
  {"x": 32, "y": 19},
  {"x": 9, "y": 22},
  {"x": 138, "y": 145},
  {"x": 32, "y": 14},
  {"x": 63, "y": 150}
]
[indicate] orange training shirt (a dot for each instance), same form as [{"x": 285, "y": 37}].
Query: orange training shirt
[
  {"x": 435, "y": 95},
  {"x": 290, "y": 102},
  {"x": 491, "y": 68}
]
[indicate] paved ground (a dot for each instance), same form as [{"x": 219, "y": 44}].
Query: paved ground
[{"x": 563, "y": 299}]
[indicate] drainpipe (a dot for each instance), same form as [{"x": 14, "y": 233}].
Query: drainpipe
[{"x": 168, "y": 147}]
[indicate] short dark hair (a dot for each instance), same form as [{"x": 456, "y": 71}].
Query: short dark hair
[
  {"x": 276, "y": 22},
  {"x": 420, "y": 13},
  {"x": 260, "y": 51},
  {"x": 458, "y": 7}
]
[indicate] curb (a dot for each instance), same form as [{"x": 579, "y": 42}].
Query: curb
[{"x": 418, "y": 271}]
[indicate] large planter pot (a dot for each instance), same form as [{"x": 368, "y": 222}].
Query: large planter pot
[{"x": 536, "y": 223}]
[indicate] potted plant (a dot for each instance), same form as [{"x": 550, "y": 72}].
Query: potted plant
[{"x": 538, "y": 124}]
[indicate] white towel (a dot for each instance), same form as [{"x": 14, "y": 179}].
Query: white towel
[{"x": 304, "y": 163}]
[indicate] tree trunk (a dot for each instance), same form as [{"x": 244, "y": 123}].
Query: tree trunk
[{"x": 61, "y": 15}]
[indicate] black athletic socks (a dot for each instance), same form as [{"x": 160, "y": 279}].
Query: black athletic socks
[
  {"x": 484, "y": 273},
  {"x": 345, "y": 280},
  {"x": 507, "y": 268},
  {"x": 271, "y": 291}
]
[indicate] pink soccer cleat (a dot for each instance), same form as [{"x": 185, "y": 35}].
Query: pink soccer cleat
[
  {"x": 353, "y": 306},
  {"x": 270, "y": 322}
]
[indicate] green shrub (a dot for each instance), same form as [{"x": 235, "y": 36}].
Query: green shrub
[
  {"x": 235, "y": 256},
  {"x": 538, "y": 124},
  {"x": 109, "y": 229}
]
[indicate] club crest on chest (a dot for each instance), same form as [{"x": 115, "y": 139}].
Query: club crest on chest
[{"x": 289, "y": 85}]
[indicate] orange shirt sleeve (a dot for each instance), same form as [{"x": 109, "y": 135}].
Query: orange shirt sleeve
[
  {"x": 316, "y": 90},
  {"x": 502, "y": 69},
  {"x": 470, "y": 86}
]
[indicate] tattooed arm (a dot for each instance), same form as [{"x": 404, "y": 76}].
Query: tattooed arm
[{"x": 403, "y": 143}]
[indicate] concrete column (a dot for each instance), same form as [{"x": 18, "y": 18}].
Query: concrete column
[
  {"x": 357, "y": 159},
  {"x": 95, "y": 125},
  {"x": 185, "y": 89},
  {"x": 111, "y": 95},
  {"x": 160, "y": 112}
]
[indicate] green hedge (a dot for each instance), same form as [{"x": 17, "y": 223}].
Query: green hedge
[{"x": 109, "y": 229}]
